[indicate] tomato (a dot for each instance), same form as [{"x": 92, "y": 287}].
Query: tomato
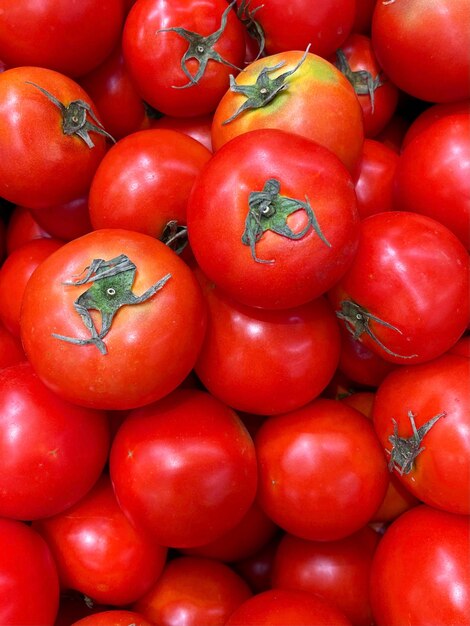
[
  {"x": 52, "y": 141},
  {"x": 377, "y": 95},
  {"x": 63, "y": 446},
  {"x": 325, "y": 28},
  {"x": 22, "y": 227},
  {"x": 375, "y": 179},
  {"x": 433, "y": 461},
  {"x": 406, "y": 294},
  {"x": 338, "y": 571},
  {"x": 431, "y": 114},
  {"x": 462, "y": 347},
  {"x": 289, "y": 228},
  {"x": 114, "y": 618},
  {"x": 15, "y": 273},
  {"x": 149, "y": 337},
  {"x": 112, "y": 90},
  {"x": 98, "y": 552},
  {"x": 298, "y": 93},
  {"x": 29, "y": 585},
  {"x": 265, "y": 361},
  {"x": 11, "y": 349},
  {"x": 433, "y": 173},
  {"x": 205, "y": 591},
  {"x": 188, "y": 49},
  {"x": 257, "y": 569},
  {"x": 433, "y": 547},
  {"x": 363, "y": 17},
  {"x": 198, "y": 127},
  {"x": 65, "y": 221},
  {"x": 145, "y": 180},
  {"x": 184, "y": 468},
  {"x": 71, "y": 38},
  {"x": 278, "y": 607},
  {"x": 315, "y": 465},
  {"x": 405, "y": 36}
]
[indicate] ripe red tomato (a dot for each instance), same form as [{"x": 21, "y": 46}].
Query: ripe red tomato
[
  {"x": 278, "y": 607},
  {"x": 22, "y": 227},
  {"x": 65, "y": 221},
  {"x": 63, "y": 446},
  {"x": 436, "y": 591},
  {"x": 204, "y": 590},
  {"x": 144, "y": 181},
  {"x": 63, "y": 119},
  {"x": 29, "y": 585},
  {"x": 114, "y": 618},
  {"x": 180, "y": 54},
  {"x": 433, "y": 172},
  {"x": 98, "y": 552},
  {"x": 315, "y": 465},
  {"x": 299, "y": 93},
  {"x": 11, "y": 348},
  {"x": 151, "y": 328},
  {"x": 405, "y": 36},
  {"x": 431, "y": 458},
  {"x": 243, "y": 358},
  {"x": 406, "y": 294},
  {"x": 197, "y": 126},
  {"x": 71, "y": 38},
  {"x": 338, "y": 571},
  {"x": 184, "y": 468},
  {"x": 289, "y": 225}
]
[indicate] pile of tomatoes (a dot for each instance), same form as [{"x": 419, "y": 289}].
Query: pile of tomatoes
[{"x": 234, "y": 313}]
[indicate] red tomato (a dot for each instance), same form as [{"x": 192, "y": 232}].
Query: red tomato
[
  {"x": 14, "y": 275},
  {"x": 63, "y": 446},
  {"x": 375, "y": 178},
  {"x": 189, "y": 49},
  {"x": 64, "y": 120},
  {"x": 437, "y": 589},
  {"x": 325, "y": 28},
  {"x": 145, "y": 180},
  {"x": 377, "y": 95},
  {"x": 433, "y": 173},
  {"x": 265, "y": 361},
  {"x": 278, "y": 607},
  {"x": 289, "y": 225},
  {"x": 22, "y": 227},
  {"x": 11, "y": 349},
  {"x": 29, "y": 585},
  {"x": 67, "y": 37},
  {"x": 66, "y": 221},
  {"x": 184, "y": 468},
  {"x": 433, "y": 461},
  {"x": 114, "y": 618},
  {"x": 98, "y": 552},
  {"x": 462, "y": 347},
  {"x": 299, "y": 93},
  {"x": 152, "y": 320},
  {"x": 363, "y": 18},
  {"x": 430, "y": 115},
  {"x": 406, "y": 294},
  {"x": 198, "y": 127},
  {"x": 204, "y": 591},
  {"x": 257, "y": 569},
  {"x": 405, "y": 36},
  {"x": 315, "y": 465},
  {"x": 338, "y": 571}
]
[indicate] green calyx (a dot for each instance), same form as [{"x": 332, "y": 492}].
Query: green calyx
[
  {"x": 111, "y": 288},
  {"x": 363, "y": 82},
  {"x": 265, "y": 89},
  {"x": 253, "y": 27},
  {"x": 268, "y": 210},
  {"x": 75, "y": 118},
  {"x": 200, "y": 48}
]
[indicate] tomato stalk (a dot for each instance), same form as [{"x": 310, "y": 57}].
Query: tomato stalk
[
  {"x": 253, "y": 27},
  {"x": 363, "y": 82}
]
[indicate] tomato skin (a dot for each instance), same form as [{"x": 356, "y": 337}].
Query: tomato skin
[
  {"x": 83, "y": 34},
  {"x": 390, "y": 278},
  {"x": 319, "y": 103},
  {"x": 306, "y": 457},
  {"x": 198, "y": 127},
  {"x": 14, "y": 275},
  {"x": 29, "y": 585},
  {"x": 207, "y": 491},
  {"x": 440, "y": 476},
  {"x": 98, "y": 552},
  {"x": 113, "y": 618},
  {"x": 298, "y": 270},
  {"x": 11, "y": 348},
  {"x": 338, "y": 571},
  {"x": 243, "y": 357},
  {"x": 433, "y": 173},
  {"x": 62, "y": 445},
  {"x": 405, "y": 35},
  {"x": 65, "y": 221},
  {"x": 437, "y": 590},
  {"x": 204, "y": 590},
  {"x": 30, "y": 175},
  {"x": 144, "y": 181},
  {"x": 151, "y": 346},
  {"x": 148, "y": 52},
  {"x": 22, "y": 227}
]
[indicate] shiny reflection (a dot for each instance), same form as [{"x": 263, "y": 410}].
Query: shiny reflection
[{"x": 448, "y": 579}]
